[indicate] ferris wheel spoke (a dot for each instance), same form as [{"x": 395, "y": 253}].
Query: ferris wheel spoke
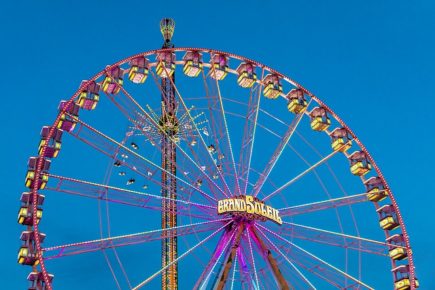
[
  {"x": 117, "y": 153},
  {"x": 131, "y": 239},
  {"x": 227, "y": 132},
  {"x": 303, "y": 173},
  {"x": 269, "y": 259},
  {"x": 221, "y": 248},
  {"x": 277, "y": 153},
  {"x": 221, "y": 279},
  {"x": 224, "y": 239},
  {"x": 146, "y": 281},
  {"x": 332, "y": 238},
  {"x": 309, "y": 285},
  {"x": 107, "y": 146},
  {"x": 322, "y": 205},
  {"x": 316, "y": 265},
  {"x": 134, "y": 107},
  {"x": 209, "y": 153},
  {"x": 233, "y": 279},
  {"x": 244, "y": 266},
  {"x": 250, "y": 129},
  {"x": 125, "y": 196},
  {"x": 227, "y": 191},
  {"x": 215, "y": 127},
  {"x": 248, "y": 237}
]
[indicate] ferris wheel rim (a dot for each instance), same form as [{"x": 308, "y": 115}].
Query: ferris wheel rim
[{"x": 38, "y": 168}]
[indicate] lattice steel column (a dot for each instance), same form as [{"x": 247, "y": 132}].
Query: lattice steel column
[{"x": 169, "y": 124}]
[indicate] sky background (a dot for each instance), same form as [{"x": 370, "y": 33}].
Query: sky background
[{"x": 372, "y": 63}]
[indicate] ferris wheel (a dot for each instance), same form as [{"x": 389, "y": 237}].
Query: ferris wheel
[{"x": 197, "y": 168}]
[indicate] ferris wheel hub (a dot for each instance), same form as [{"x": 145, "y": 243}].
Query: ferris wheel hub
[{"x": 249, "y": 208}]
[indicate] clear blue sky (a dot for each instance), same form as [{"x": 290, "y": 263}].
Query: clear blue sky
[{"x": 371, "y": 61}]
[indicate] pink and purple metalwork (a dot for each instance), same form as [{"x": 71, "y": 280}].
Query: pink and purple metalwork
[{"x": 186, "y": 167}]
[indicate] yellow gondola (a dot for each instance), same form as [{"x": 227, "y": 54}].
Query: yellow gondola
[
  {"x": 53, "y": 145},
  {"x": 30, "y": 176},
  {"x": 359, "y": 163},
  {"x": 24, "y": 215},
  {"x": 402, "y": 280},
  {"x": 219, "y": 67},
  {"x": 25, "y": 257},
  {"x": 319, "y": 119},
  {"x": 166, "y": 64},
  {"x": 397, "y": 249},
  {"x": 89, "y": 96},
  {"x": 387, "y": 217},
  {"x": 138, "y": 72},
  {"x": 377, "y": 194},
  {"x": 272, "y": 86},
  {"x": 375, "y": 189},
  {"x": 137, "y": 75},
  {"x": 320, "y": 124},
  {"x": 341, "y": 140},
  {"x": 84, "y": 97},
  {"x": 68, "y": 119},
  {"x": 112, "y": 85},
  {"x": 359, "y": 168},
  {"x": 246, "y": 75},
  {"x": 388, "y": 223},
  {"x": 192, "y": 64},
  {"x": 397, "y": 253},
  {"x": 340, "y": 144},
  {"x": 296, "y": 101},
  {"x": 113, "y": 81}
]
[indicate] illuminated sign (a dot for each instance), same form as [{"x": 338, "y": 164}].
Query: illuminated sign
[{"x": 248, "y": 207}]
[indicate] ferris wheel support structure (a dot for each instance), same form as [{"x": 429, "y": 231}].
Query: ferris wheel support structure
[{"x": 252, "y": 251}]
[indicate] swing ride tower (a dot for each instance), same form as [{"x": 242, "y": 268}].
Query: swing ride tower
[{"x": 169, "y": 124}]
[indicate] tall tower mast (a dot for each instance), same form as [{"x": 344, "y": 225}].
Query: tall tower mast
[{"x": 169, "y": 123}]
